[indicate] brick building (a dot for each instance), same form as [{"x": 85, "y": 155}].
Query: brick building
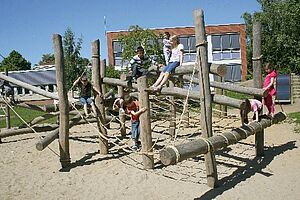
[{"x": 226, "y": 44}]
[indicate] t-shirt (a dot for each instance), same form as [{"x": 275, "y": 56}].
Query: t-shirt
[
  {"x": 133, "y": 107},
  {"x": 167, "y": 45},
  {"x": 255, "y": 105},
  {"x": 176, "y": 52},
  {"x": 267, "y": 81},
  {"x": 142, "y": 63},
  {"x": 85, "y": 90}
]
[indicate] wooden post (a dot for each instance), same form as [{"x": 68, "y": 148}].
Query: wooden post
[
  {"x": 257, "y": 80},
  {"x": 172, "y": 125},
  {"x": 205, "y": 97},
  {"x": 103, "y": 86},
  {"x": 7, "y": 109},
  {"x": 63, "y": 101},
  {"x": 221, "y": 109},
  {"x": 145, "y": 124},
  {"x": 97, "y": 82},
  {"x": 122, "y": 116}
]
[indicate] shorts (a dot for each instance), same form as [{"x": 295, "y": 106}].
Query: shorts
[
  {"x": 170, "y": 67},
  {"x": 86, "y": 100}
]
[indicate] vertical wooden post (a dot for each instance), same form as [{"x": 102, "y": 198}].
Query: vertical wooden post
[
  {"x": 103, "y": 86},
  {"x": 97, "y": 82},
  {"x": 102, "y": 74},
  {"x": 145, "y": 124},
  {"x": 172, "y": 126},
  {"x": 222, "y": 109},
  {"x": 257, "y": 80},
  {"x": 7, "y": 109},
  {"x": 205, "y": 95},
  {"x": 63, "y": 101},
  {"x": 122, "y": 116}
]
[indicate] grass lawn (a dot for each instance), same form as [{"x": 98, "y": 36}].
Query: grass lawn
[
  {"x": 26, "y": 114},
  {"x": 295, "y": 118}
]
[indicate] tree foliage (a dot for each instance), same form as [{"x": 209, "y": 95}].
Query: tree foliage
[
  {"x": 146, "y": 38},
  {"x": 280, "y": 33},
  {"x": 47, "y": 59},
  {"x": 74, "y": 64},
  {"x": 15, "y": 62}
]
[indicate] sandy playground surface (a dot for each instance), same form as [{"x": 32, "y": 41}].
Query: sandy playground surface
[{"x": 26, "y": 173}]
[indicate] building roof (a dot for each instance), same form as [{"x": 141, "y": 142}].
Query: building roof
[{"x": 35, "y": 77}]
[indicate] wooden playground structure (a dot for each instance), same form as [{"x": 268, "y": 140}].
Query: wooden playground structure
[{"x": 171, "y": 154}]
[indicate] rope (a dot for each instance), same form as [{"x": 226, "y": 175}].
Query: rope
[
  {"x": 101, "y": 135},
  {"x": 27, "y": 124},
  {"x": 257, "y": 58},
  {"x": 186, "y": 100}
]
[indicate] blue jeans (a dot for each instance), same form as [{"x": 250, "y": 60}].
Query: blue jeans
[
  {"x": 85, "y": 100},
  {"x": 170, "y": 67},
  {"x": 135, "y": 130}
]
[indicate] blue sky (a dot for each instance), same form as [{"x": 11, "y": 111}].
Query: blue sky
[{"x": 27, "y": 26}]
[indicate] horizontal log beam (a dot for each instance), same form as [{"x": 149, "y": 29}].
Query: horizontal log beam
[
  {"x": 43, "y": 143},
  {"x": 118, "y": 82},
  {"x": 232, "y": 87},
  {"x": 22, "y": 131},
  {"x": 220, "y": 99},
  {"x": 172, "y": 155},
  {"x": 218, "y": 69}
]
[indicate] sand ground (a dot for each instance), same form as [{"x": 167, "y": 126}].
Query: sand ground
[{"x": 26, "y": 173}]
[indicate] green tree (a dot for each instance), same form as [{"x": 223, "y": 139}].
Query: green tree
[
  {"x": 15, "y": 62},
  {"x": 146, "y": 38},
  {"x": 74, "y": 64},
  {"x": 280, "y": 33},
  {"x": 47, "y": 59}
]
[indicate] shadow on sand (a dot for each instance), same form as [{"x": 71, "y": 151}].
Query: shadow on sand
[{"x": 251, "y": 168}]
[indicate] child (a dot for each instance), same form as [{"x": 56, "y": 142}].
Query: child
[
  {"x": 140, "y": 63},
  {"x": 8, "y": 91},
  {"x": 85, "y": 96},
  {"x": 269, "y": 84},
  {"x": 119, "y": 103},
  {"x": 251, "y": 105},
  {"x": 175, "y": 61},
  {"x": 133, "y": 110},
  {"x": 167, "y": 47}
]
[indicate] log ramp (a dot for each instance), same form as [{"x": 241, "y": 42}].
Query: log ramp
[{"x": 174, "y": 154}]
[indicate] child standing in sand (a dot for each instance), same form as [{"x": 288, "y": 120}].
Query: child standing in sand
[{"x": 132, "y": 105}]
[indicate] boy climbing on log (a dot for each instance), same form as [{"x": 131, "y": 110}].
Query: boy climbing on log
[
  {"x": 139, "y": 64},
  {"x": 251, "y": 105},
  {"x": 85, "y": 95},
  {"x": 132, "y": 105}
]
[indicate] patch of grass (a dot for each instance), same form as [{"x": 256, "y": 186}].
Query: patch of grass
[
  {"x": 236, "y": 95},
  {"x": 26, "y": 114},
  {"x": 295, "y": 118}
]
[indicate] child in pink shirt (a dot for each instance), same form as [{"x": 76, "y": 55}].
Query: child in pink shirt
[
  {"x": 251, "y": 105},
  {"x": 269, "y": 84}
]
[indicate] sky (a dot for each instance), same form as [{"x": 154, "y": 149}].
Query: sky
[{"x": 27, "y": 26}]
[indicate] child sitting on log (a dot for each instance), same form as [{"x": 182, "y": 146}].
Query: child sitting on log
[{"x": 251, "y": 105}]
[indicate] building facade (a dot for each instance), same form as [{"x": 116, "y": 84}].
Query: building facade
[{"x": 226, "y": 45}]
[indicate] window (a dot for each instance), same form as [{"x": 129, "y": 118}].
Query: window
[
  {"x": 226, "y": 47},
  {"x": 189, "y": 43},
  {"x": 117, "y": 51},
  {"x": 234, "y": 73}
]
